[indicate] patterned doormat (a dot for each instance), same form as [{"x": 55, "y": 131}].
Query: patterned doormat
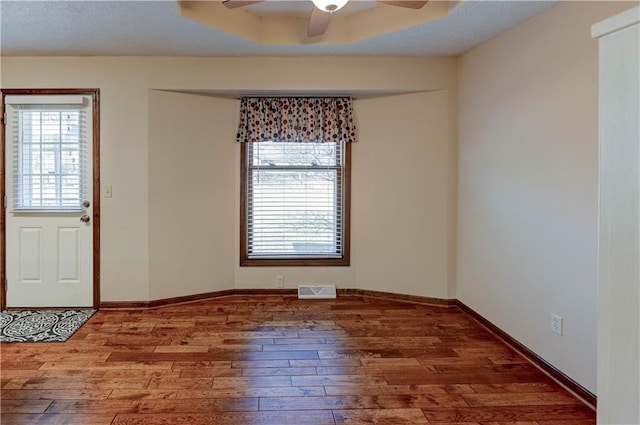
[{"x": 41, "y": 325}]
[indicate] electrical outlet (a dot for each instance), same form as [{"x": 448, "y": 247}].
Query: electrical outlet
[
  {"x": 556, "y": 324},
  {"x": 280, "y": 281}
]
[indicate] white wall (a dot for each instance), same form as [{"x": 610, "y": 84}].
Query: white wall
[
  {"x": 619, "y": 240},
  {"x": 152, "y": 247},
  {"x": 2, "y": 300},
  {"x": 527, "y": 216}
]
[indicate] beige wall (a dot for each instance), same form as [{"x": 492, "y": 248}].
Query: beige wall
[
  {"x": 527, "y": 217},
  {"x": 400, "y": 194},
  {"x": 400, "y": 213},
  {"x": 191, "y": 193},
  {"x": 163, "y": 238},
  {"x": 124, "y": 149}
]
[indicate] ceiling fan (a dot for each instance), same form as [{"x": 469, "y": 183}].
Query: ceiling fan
[{"x": 321, "y": 14}]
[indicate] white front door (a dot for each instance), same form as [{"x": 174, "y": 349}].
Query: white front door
[{"x": 49, "y": 235}]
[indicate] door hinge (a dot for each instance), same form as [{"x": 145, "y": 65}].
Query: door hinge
[
  {"x": 4, "y": 202},
  {"x": 4, "y": 118}
]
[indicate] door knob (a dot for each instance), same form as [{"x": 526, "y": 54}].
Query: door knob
[
  {"x": 86, "y": 204},
  {"x": 85, "y": 219}
]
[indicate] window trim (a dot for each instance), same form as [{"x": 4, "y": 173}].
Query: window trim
[
  {"x": 18, "y": 201},
  {"x": 316, "y": 261}
]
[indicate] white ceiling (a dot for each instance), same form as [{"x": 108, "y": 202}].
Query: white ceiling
[{"x": 156, "y": 28}]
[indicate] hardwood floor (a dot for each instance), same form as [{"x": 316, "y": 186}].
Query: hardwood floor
[{"x": 277, "y": 360}]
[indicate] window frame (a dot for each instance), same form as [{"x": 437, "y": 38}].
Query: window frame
[
  {"x": 22, "y": 201},
  {"x": 320, "y": 261}
]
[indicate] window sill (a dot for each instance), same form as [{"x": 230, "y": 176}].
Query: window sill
[
  {"x": 294, "y": 262},
  {"x": 47, "y": 211}
]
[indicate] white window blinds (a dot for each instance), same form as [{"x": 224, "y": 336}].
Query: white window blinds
[
  {"x": 294, "y": 200},
  {"x": 49, "y": 157}
]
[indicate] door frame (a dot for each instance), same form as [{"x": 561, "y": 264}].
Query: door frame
[{"x": 95, "y": 94}]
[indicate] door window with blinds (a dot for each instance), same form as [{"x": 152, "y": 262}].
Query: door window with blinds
[
  {"x": 49, "y": 154},
  {"x": 295, "y": 203}
]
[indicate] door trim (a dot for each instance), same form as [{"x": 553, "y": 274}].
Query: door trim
[{"x": 95, "y": 94}]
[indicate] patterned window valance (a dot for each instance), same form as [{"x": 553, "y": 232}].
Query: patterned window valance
[{"x": 296, "y": 119}]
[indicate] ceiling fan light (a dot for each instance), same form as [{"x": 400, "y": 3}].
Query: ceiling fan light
[{"x": 329, "y": 5}]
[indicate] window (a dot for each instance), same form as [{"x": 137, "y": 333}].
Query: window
[
  {"x": 49, "y": 158},
  {"x": 295, "y": 203},
  {"x": 296, "y": 155}
]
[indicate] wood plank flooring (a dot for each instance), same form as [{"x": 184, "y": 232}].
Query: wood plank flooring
[{"x": 278, "y": 360}]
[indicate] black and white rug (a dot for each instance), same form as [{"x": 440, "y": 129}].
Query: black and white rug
[{"x": 41, "y": 325}]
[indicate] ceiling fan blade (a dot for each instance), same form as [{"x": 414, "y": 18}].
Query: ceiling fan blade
[
  {"x": 318, "y": 22},
  {"x": 232, "y": 4},
  {"x": 408, "y": 3}
]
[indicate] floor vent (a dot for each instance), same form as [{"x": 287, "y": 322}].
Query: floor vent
[{"x": 317, "y": 292}]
